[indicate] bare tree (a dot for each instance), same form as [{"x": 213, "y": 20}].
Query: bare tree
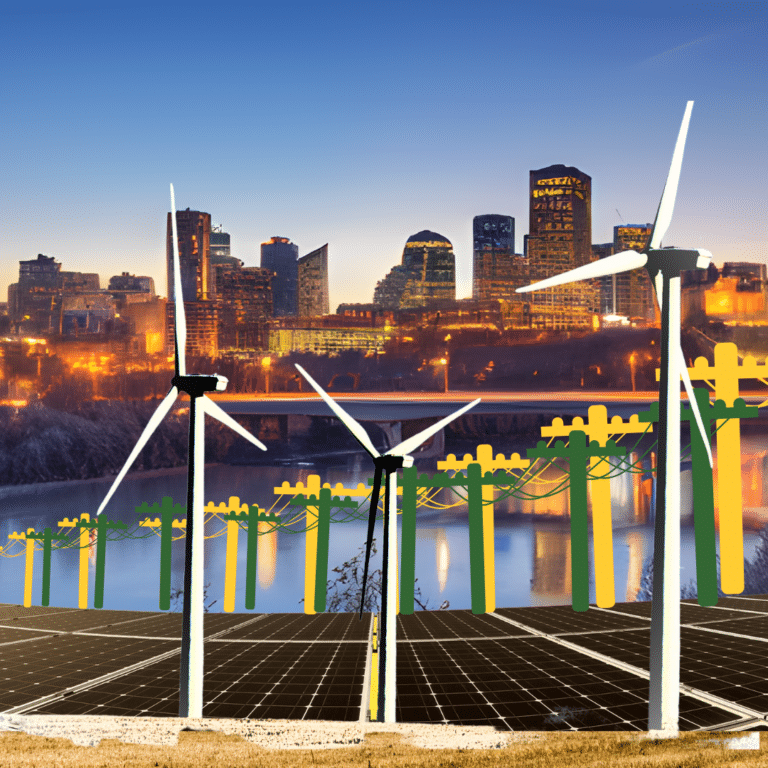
[{"x": 344, "y": 592}]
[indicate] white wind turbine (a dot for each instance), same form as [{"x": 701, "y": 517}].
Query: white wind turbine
[
  {"x": 387, "y": 463},
  {"x": 195, "y": 385},
  {"x": 664, "y": 266}
]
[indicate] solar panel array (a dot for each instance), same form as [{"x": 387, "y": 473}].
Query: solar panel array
[{"x": 537, "y": 668}]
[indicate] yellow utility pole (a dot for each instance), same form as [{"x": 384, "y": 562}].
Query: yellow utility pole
[
  {"x": 597, "y": 428},
  {"x": 487, "y": 464},
  {"x": 85, "y": 539},
  {"x": 312, "y": 488},
  {"x": 725, "y": 375}
]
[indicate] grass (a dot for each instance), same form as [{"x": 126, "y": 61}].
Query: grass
[{"x": 209, "y": 749}]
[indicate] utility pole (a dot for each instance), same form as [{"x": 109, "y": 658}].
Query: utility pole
[
  {"x": 166, "y": 523},
  {"x": 312, "y": 488},
  {"x": 577, "y": 452},
  {"x": 598, "y": 429},
  {"x": 726, "y": 373},
  {"x": 487, "y": 463}
]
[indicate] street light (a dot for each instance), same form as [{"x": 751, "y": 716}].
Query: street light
[
  {"x": 632, "y": 363},
  {"x": 444, "y": 363},
  {"x": 266, "y": 363}
]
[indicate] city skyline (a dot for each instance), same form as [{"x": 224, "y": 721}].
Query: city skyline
[{"x": 403, "y": 119}]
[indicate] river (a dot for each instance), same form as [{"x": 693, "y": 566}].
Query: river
[{"x": 531, "y": 542}]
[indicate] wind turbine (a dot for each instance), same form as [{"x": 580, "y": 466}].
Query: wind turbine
[
  {"x": 664, "y": 266},
  {"x": 387, "y": 463},
  {"x": 195, "y": 385}
]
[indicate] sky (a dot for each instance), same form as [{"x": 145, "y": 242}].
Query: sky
[{"x": 359, "y": 124}]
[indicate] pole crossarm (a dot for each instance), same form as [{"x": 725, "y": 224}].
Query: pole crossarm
[
  {"x": 598, "y": 429},
  {"x": 726, "y": 374},
  {"x": 487, "y": 464},
  {"x": 47, "y": 537},
  {"x": 167, "y": 510},
  {"x": 322, "y": 502},
  {"x": 702, "y": 482},
  {"x": 100, "y": 525},
  {"x": 577, "y": 452},
  {"x": 236, "y": 514},
  {"x": 312, "y": 488}
]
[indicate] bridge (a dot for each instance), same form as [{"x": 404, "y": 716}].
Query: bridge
[{"x": 389, "y": 410}]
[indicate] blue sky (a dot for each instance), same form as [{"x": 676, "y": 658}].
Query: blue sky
[{"x": 359, "y": 124}]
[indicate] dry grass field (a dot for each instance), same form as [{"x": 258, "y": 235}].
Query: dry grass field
[{"x": 212, "y": 749}]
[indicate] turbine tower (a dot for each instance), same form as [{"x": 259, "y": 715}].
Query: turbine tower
[
  {"x": 387, "y": 463},
  {"x": 664, "y": 266},
  {"x": 195, "y": 385}
]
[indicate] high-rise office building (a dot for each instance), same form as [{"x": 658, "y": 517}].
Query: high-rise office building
[
  {"x": 313, "y": 297},
  {"x": 560, "y": 224},
  {"x": 220, "y": 241},
  {"x": 496, "y": 271},
  {"x": 35, "y": 302},
  {"x": 560, "y": 239},
  {"x": 280, "y": 256},
  {"x": 632, "y": 292},
  {"x": 194, "y": 231},
  {"x": 426, "y": 274},
  {"x": 244, "y": 300}
]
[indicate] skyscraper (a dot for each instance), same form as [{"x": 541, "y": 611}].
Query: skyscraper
[
  {"x": 493, "y": 257},
  {"x": 426, "y": 274},
  {"x": 560, "y": 225},
  {"x": 220, "y": 245},
  {"x": 244, "y": 301},
  {"x": 559, "y": 239},
  {"x": 633, "y": 290},
  {"x": 313, "y": 297},
  {"x": 194, "y": 231},
  {"x": 280, "y": 256}
]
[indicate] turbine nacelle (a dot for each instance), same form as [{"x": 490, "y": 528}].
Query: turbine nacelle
[
  {"x": 195, "y": 384},
  {"x": 672, "y": 261}
]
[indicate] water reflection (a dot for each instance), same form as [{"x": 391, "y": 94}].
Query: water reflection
[{"x": 531, "y": 545}]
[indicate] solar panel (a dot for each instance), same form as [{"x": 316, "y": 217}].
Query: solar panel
[
  {"x": 334, "y": 627},
  {"x": 13, "y": 611},
  {"x": 559, "y": 619},
  {"x": 526, "y": 684},
  {"x": 73, "y": 620},
  {"x": 256, "y": 680},
  {"x": 447, "y": 625},
  {"x": 49, "y": 665},
  {"x": 453, "y": 666}
]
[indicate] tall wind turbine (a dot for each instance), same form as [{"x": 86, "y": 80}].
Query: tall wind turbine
[
  {"x": 195, "y": 385},
  {"x": 664, "y": 265},
  {"x": 387, "y": 463}
]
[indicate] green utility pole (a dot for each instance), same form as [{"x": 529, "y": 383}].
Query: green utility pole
[
  {"x": 474, "y": 481},
  {"x": 251, "y": 519},
  {"x": 47, "y": 537},
  {"x": 323, "y": 504},
  {"x": 167, "y": 510},
  {"x": 577, "y": 452},
  {"x": 703, "y": 484},
  {"x": 101, "y": 524}
]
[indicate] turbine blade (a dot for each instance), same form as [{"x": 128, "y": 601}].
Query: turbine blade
[
  {"x": 693, "y": 404},
  {"x": 180, "y": 323},
  {"x": 414, "y": 442},
  {"x": 667, "y": 202},
  {"x": 371, "y": 522},
  {"x": 610, "y": 265},
  {"x": 356, "y": 429},
  {"x": 152, "y": 425},
  {"x": 214, "y": 410}
]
